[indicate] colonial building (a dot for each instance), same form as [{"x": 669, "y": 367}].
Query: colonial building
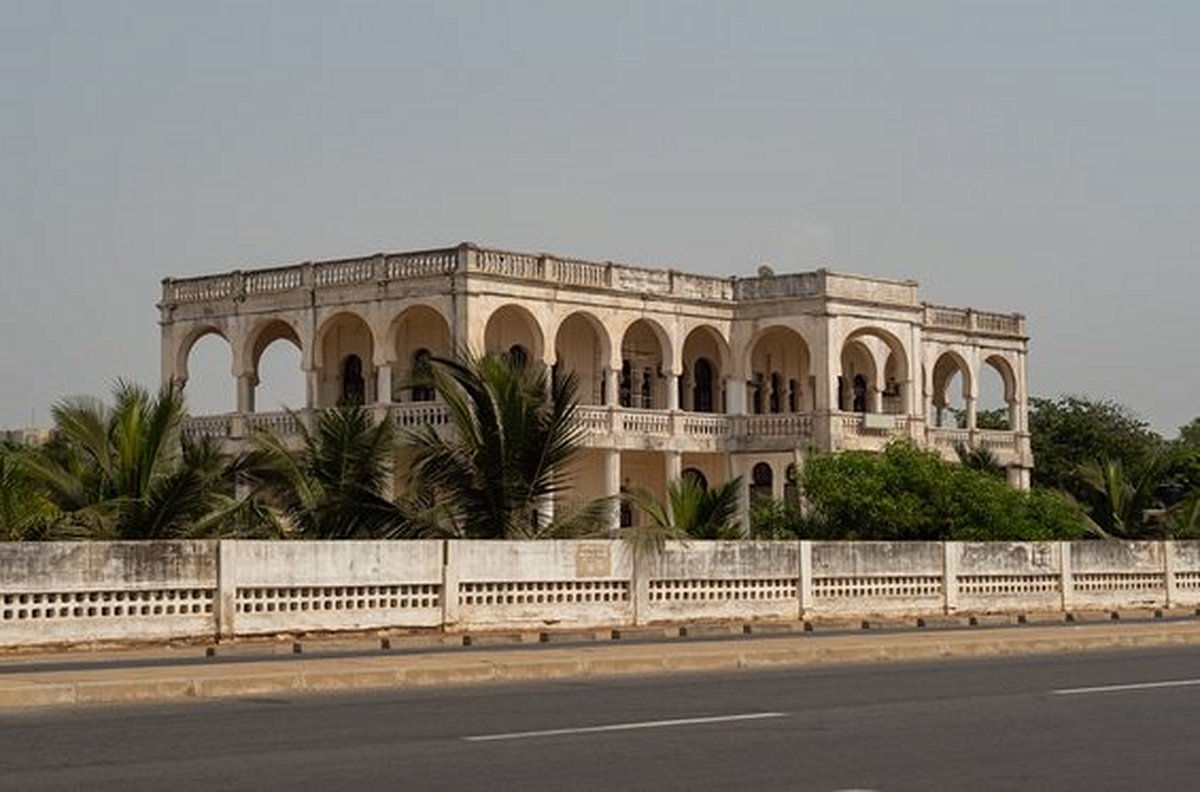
[{"x": 720, "y": 377}]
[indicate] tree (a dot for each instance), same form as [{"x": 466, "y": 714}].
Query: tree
[
  {"x": 1072, "y": 431},
  {"x": 1189, "y": 434},
  {"x": 514, "y": 437},
  {"x": 334, "y": 486},
  {"x": 908, "y": 494},
  {"x": 1122, "y": 499},
  {"x": 125, "y": 472},
  {"x": 26, "y": 511},
  {"x": 692, "y": 510}
]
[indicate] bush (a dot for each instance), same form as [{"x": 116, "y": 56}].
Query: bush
[{"x": 908, "y": 494}]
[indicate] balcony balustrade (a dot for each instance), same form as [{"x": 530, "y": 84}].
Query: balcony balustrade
[
  {"x": 538, "y": 268},
  {"x": 632, "y": 428}
]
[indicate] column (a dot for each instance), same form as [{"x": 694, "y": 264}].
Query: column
[
  {"x": 874, "y": 400},
  {"x": 674, "y": 467},
  {"x": 312, "y": 388},
  {"x": 672, "y": 380},
  {"x": 246, "y": 384},
  {"x": 735, "y": 396},
  {"x": 737, "y": 468},
  {"x": 612, "y": 383},
  {"x": 383, "y": 390},
  {"x": 612, "y": 486}
]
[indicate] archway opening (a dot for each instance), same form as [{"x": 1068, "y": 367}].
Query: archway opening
[
  {"x": 419, "y": 334},
  {"x": 280, "y": 378},
  {"x": 781, "y": 377},
  {"x": 276, "y": 357},
  {"x": 210, "y": 388},
  {"x": 705, "y": 357},
  {"x": 642, "y": 356},
  {"x": 762, "y": 481},
  {"x": 951, "y": 387},
  {"x": 581, "y": 347},
  {"x": 514, "y": 333},
  {"x": 874, "y": 375},
  {"x": 695, "y": 476},
  {"x": 346, "y": 365},
  {"x": 997, "y": 395}
]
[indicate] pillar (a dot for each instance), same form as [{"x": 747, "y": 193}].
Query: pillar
[
  {"x": 674, "y": 466},
  {"x": 612, "y": 383},
  {"x": 312, "y": 388},
  {"x": 874, "y": 399},
  {"x": 612, "y": 486},
  {"x": 246, "y": 383},
  {"x": 672, "y": 380},
  {"x": 972, "y": 411},
  {"x": 735, "y": 396},
  {"x": 383, "y": 375}
]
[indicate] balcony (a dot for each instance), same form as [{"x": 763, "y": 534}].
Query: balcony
[{"x": 631, "y": 429}]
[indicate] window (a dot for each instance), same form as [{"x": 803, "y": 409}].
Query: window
[
  {"x": 422, "y": 376},
  {"x": 354, "y": 388}
]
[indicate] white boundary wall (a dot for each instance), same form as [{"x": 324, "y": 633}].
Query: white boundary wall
[{"x": 80, "y": 592}]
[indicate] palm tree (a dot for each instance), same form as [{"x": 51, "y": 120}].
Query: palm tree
[
  {"x": 981, "y": 459},
  {"x": 1122, "y": 498},
  {"x": 691, "y": 511},
  {"x": 125, "y": 472},
  {"x": 25, "y": 508},
  {"x": 335, "y": 485},
  {"x": 514, "y": 434}
]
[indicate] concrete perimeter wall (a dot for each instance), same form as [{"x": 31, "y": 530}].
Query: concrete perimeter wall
[{"x": 80, "y": 592}]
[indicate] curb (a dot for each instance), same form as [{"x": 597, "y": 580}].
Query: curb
[{"x": 318, "y": 675}]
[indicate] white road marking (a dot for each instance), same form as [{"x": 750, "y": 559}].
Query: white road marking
[
  {"x": 659, "y": 724},
  {"x": 1133, "y": 686}
]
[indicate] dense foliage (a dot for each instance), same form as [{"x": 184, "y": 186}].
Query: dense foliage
[
  {"x": 693, "y": 510},
  {"x": 905, "y": 493},
  {"x": 335, "y": 486},
  {"x": 497, "y": 474},
  {"x": 126, "y": 471}
]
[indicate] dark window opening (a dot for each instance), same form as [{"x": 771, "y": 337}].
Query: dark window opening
[
  {"x": 354, "y": 387},
  {"x": 702, "y": 392},
  {"x": 422, "y": 376}
]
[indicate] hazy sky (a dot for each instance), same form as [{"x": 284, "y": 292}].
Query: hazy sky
[{"x": 1038, "y": 157}]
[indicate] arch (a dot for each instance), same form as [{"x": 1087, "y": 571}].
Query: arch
[
  {"x": 582, "y": 346},
  {"x": 644, "y": 356},
  {"x": 208, "y": 385},
  {"x": 513, "y": 325},
  {"x": 998, "y": 407},
  {"x": 340, "y": 337},
  {"x": 415, "y": 330},
  {"x": 696, "y": 475},
  {"x": 184, "y": 349},
  {"x": 879, "y": 357},
  {"x": 267, "y": 357},
  {"x": 279, "y": 379},
  {"x": 762, "y": 482},
  {"x": 265, "y": 333},
  {"x": 781, "y": 378},
  {"x": 949, "y": 365},
  {"x": 705, "y": 362}
]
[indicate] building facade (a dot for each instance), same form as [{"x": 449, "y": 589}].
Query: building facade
[{"x": 719, "y": 377}]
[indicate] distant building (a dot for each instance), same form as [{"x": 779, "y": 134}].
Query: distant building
[
  {"x": 720, "y": 377},
  {"x": 32, "y": 436}
]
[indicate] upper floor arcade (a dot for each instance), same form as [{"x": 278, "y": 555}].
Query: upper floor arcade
[{"x": 664, "y": 358}]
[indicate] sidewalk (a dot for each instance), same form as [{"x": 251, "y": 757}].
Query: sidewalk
[{"x": 185, "y": 673}]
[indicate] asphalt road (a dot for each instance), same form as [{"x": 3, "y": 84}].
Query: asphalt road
[{"x": 1021, "y": 724}]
